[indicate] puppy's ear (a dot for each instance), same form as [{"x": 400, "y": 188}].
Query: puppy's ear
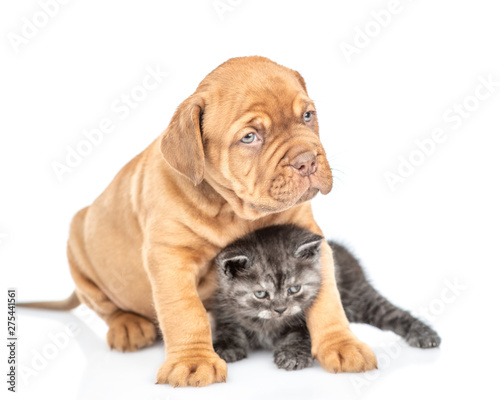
[
  {"x": 231, "y": 265},
  {"x": 301, "y": 80},
  {"x": 181, "y": 144},
  {"x": 310, "y": 247}
]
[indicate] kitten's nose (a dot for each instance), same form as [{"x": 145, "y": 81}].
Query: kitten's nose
[{"x": 280, "y": 310}]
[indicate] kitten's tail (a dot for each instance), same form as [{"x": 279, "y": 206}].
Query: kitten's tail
[{"x": 61, "y": 305}]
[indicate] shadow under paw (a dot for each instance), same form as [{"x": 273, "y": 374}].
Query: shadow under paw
[{"x": 292, "y": 360}]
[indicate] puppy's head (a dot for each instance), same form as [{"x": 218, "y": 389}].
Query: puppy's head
[{"x": 250, "y": 131}]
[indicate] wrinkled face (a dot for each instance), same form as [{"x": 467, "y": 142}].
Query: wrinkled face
[
  {"x": 271, "y": 275},
  {"x": 261, "y": 138}
]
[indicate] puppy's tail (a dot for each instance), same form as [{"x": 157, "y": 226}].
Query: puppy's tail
[{"x": 62, "y": 305}]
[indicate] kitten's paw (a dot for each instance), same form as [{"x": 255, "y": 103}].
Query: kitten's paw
[
  {"x": 346, "y": 354},
  {"x": 291, "y": 359},
  {"x": 423, "y": 336},
  {"x": 230, "y": 354},
  {"x": 193, "y": 370}
]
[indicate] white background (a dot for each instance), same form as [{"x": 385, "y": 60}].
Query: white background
[{"x": 439, "y": 227}]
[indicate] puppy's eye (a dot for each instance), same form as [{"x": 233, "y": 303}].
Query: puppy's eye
[
  {"x": 250, "y": 138},
  {"x": 260, "y": 294},
  {"x": 307, "y": 116},
  {"x": 294, "y": 290}
]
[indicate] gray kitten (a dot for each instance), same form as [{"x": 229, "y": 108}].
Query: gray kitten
[{"x": 270, "y": 277}]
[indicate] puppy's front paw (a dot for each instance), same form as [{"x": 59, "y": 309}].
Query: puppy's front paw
[
  {"x": 290, "y": 359},
  {"x": 193, "y": 370},
  {"x": 347, "y": 354}
]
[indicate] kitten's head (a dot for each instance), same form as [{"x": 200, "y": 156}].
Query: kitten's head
[{"x": 270, "y": 275}]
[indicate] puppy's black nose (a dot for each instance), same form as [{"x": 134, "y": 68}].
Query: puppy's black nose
[
  {"x": 280, "y": 310},
  {"x": 305, "y": 163}
]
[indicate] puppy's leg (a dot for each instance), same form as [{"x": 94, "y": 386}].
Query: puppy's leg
[
  {"x": 127, "y": 331},
  {"x": 333, "y": 343},
  {"x": 190, "y": 357}
]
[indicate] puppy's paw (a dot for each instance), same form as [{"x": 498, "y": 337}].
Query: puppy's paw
[
  {"x": 194, "y": 370},
  {"x": 347, "y": 354},
  {"x": 130, "y": 332},
  {"x": 423, "y": 336},
  {"x": 291, "y": 359}
]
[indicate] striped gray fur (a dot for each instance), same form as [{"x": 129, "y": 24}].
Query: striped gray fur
[
  {"x": 276, "y": 260},
  {"x": 362, "y": 303}
]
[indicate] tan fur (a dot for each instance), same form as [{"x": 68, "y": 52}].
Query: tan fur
[{"x": 141, "y": 253}]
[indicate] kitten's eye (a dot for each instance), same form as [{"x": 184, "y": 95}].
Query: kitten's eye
[
  {"x": 307, "y": 116},
  {"x": 260, "y": 294},
  {"x": 294, "y": 290},
  {"x": 250, "y": 138}
]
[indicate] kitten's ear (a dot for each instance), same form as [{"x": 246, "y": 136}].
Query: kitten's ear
[
  {"x": 310, "y": 248},
  {"x": 232, "y": 265}
]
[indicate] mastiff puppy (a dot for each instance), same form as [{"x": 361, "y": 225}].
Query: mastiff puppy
[{"x": 242, "y": 152}]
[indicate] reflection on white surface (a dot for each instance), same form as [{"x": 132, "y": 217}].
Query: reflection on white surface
[{"x": 84, "y": 368}]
